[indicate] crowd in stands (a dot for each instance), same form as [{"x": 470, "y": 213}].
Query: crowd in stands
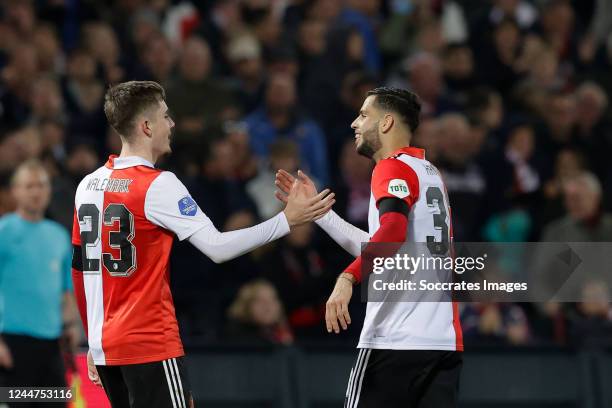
[{"x": 516, "y": 116}]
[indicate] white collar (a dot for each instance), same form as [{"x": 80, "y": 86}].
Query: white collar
[{"x": 130, "y": 161}]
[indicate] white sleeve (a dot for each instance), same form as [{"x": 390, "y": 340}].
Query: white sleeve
[
  {"x": 345, "y": 234},
  {"x": 169, "y": 205},
  {"x": 223, "y": 246}
]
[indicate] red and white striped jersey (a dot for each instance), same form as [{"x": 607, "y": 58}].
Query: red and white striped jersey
[
  {"x": 126, "y": 215},
  {"x": 412, "y": 325}
]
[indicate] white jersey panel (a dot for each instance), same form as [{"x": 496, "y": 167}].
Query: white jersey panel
[
  {"x": 88, "y": 195},
  {"x": 414, "y": 325},
  {"x": 169, "y": 205}
]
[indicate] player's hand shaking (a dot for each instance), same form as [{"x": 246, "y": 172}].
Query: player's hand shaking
[
  {"x": 302, "y": 208},
  {"x": 284, "y": 181}
]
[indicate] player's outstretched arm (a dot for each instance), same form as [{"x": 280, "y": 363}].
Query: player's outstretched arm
[
  {"x": 169, "y": 205},
  {"x": 345, "y": 234},
  {"x": 300, "y": 209}
]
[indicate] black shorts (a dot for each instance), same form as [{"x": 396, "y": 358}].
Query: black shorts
[
  {"x": 160, "y": 384},
  {"x": 404, "y": 379}
]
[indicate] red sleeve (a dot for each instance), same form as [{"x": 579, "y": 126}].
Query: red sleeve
[
  {"x": 392, "y": 178},
  {"x": 77, "y": 271},
  {"x": 392, "y": 229}
]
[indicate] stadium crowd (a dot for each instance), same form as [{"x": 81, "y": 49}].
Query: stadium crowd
[{"x": 516, "y": 116}]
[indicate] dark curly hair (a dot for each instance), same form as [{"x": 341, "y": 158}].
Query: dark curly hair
[{"x": 400, "y": 101}]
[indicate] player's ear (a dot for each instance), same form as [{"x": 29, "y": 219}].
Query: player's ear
[
  {"x": 146, "y": 127},
  {"x": 386, "y": 123}
]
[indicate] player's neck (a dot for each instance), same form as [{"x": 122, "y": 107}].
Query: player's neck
[
  {"x": 386, "y": 151},
  {"x": 140, "y": 151},
  {"x": 32, "y": 216}
]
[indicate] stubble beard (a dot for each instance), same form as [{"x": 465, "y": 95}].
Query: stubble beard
[{"x": 370, "y": 143}]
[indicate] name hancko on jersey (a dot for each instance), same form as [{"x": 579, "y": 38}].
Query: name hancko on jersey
[{"x": 111, "y": 185}]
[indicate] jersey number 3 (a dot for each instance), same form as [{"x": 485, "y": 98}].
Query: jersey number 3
[
  {"x": 436, "y": 198},
  {"x": 118, "y": 239}
]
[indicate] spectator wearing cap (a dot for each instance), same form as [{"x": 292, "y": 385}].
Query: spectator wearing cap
[
  {"x": 248, "y": 74},
  {"x": 280, "y": 118}
]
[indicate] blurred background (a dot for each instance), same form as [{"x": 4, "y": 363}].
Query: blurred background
[{"x": 516, "y": 116}]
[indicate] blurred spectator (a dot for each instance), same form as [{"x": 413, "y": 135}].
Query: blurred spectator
[
  {"x": 53, "y": 137},
  {"x": 257, "y": 317},
  {"x": 458, "y": 66},
  {"x": 18, "y": 76},
  {"x": 80, "y": 161},
  {"x": 355, "y": 86},
  {"x": 512, "y": 186},
  {"x": 39, "y": 317},
  {"x": 353, "y": 186},
  {"x": 284, "y": 155},
  {"x": 83, "y": 94},
  {"x": 427, "y": 137},
  {"x": 593, "y": 130},
  {"x": 299, "y": 272},
  {"x": 463, "y": 176},
  {"x": 498, "y": 60},
  {"x": 585, "y": 221},
  {"x": 18, "y": 145},
  {"x": 46, "y": 100},
  {"x": 312, "y": 43},
  {"x": 321, "y": 86},
  {"x": 101, "y": 41},
  {"x": 219, "y": 22},
  {"x": 21, "y": 15},
  {"x": 568, "y": 164},
  {"x": 425, "y": 77},
  {"x": 280, "y": 118},
  {"x": 198, "y": 102},
  {"x": 246, "y": 164},
  {"x": 48, "y": 49},
  {"x": 363, "y": 15},
  {"x": 591, "y": 324},
  {"x": 560, "y": 119},
  {"x": 213, "y": 186},
  {"x": 264, "y": 22},
  {"x": 244, "y": 55},
  {"x": 558, "y": 25},
  {"x": 495, "y": 324},
  {"x": 158, "y": 59}
]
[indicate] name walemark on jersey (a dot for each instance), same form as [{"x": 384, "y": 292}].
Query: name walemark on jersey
[
  {"x": 431, "y": 170},
  {"x": 111, "y": 185}
]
